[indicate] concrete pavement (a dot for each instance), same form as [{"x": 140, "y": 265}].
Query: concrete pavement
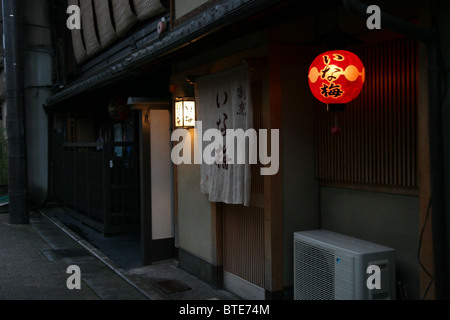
[
  {"x": 33, "y": 266},
  {"x": 34, "y": 259}
]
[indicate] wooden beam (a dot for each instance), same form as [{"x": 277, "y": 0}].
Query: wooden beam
[
  {"x": 273, "y": 218},
  {"x": 146, "y": 202},
  {"x": 217, "y": 233}
]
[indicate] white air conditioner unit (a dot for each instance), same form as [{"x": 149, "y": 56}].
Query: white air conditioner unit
[{"x": 332, "y": 266}]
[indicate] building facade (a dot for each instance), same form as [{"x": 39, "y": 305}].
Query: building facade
[{"x": 111, "y": 123}]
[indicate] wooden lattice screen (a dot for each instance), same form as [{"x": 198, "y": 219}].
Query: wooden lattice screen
[{"x": 378, "y": 142}]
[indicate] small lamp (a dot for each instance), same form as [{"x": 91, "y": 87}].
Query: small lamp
[{"x": 184, "y": 112}]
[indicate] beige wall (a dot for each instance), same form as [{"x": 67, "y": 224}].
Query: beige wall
[
  {"x": 387, "y": 219},
  {"x": 194, "y": 223},
  {"x": 161, "y": 177}
]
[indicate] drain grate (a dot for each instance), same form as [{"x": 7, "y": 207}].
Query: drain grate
[
  {"x": 172, "y": 286},
  {"x": 55, "y": 254}
]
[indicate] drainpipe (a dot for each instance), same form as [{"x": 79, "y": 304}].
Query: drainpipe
[
  {"x": 15, "y": 120},
  {"x": 439, "y": 219}
]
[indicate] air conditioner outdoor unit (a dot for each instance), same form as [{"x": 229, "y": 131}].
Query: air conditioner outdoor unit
[{"x": 332, "y": 266}]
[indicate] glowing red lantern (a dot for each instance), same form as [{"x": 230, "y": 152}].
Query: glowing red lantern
[{"x": 336, "y": 77}]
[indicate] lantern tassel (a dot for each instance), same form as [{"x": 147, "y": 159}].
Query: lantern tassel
[{"x": 336, "y": 130}]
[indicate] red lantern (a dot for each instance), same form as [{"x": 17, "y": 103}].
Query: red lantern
[
  {"x": 336, "y": 77},
  {"x": 118, "y": 108}
]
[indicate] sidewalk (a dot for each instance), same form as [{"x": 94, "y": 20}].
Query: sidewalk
[{"x": 34, "y": 259}]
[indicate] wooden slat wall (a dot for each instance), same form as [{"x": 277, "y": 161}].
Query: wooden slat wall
[
  {"x": 378, "y": 143},
  {"x": 244, "y": 243}
]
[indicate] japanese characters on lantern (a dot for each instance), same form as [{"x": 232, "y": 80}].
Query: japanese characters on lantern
[
  {"x": 336, "y": 77},
  {"x": 185, "y": 113}
]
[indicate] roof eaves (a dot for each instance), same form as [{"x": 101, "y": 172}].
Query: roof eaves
[{"x": 205, "y": 23}]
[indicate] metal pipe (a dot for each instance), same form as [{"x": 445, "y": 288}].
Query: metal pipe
[
  {"x": 439, "y": 215},
  {"x": 15, "y": 120}
]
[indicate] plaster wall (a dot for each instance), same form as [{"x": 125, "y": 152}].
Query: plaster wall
[
  {"x": 387, "y": 219},
  {"x": 194, "y": 214},
  {"x": 300, "y": 197}
]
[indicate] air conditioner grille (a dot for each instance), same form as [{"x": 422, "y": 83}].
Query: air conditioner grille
[{"x": 314, "y": 272}]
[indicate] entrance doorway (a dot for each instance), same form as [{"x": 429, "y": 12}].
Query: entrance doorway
[
  {"x": 95, "y": 179},
  {"x": 157, "y": 214}
]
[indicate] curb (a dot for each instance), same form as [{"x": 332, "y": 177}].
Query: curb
[{"x": 101, "y": 256}]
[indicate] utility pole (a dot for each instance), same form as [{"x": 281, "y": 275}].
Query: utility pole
[{"x": 15, "y": 119}]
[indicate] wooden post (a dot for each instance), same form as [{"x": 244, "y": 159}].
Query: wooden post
[
  {"x": 146, "y": 202},
  {"x": 273, "y": 218}
]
